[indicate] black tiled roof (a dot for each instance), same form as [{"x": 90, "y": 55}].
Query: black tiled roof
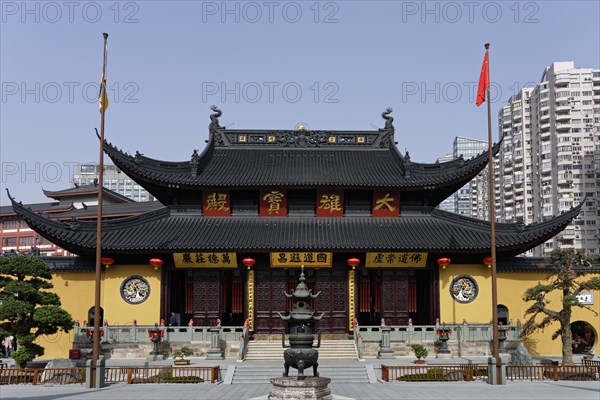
[
  {"x": 532, "y": 264},
  {"x": 51, "y": 207},
  {"x": 236, "y": 165},
  {"x": 172, "y": 229},
  {"x": 80, "y": 190}
]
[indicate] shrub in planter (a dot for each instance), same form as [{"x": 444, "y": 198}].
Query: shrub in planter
[
  {"x": 420, "y": 352},
  {"x": 181, "y": 353}
]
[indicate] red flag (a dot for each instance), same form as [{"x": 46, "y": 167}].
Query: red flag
[{"x": 484, "y": 81}]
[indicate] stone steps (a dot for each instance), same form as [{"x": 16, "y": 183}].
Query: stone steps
[
  {"x": 329, "y": 350},
  {"x": 258, "y": 372}
]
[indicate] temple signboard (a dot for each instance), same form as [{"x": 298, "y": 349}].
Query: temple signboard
[
  {"x": 296, "y": 259},
  {"x": 216, "y": 203},
  {"x": 205, "y": 260},
  {"x": 273, "y": 203},
  {"x": 396, "y": 260},
  {"x": 386, "y": 203},
  {"x": 330, "y": 203}
]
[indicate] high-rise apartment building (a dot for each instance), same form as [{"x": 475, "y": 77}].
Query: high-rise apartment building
[
  {"x": 114, "y": 179},
  {"x": 471, "y": 199},
  {"x": 549, "y": 160},
  {"x": 450, "y": 203}
]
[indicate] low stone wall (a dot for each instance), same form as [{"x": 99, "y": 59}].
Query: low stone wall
[
  {"x": 457, "y": 348},
  {"x": 142, "y": 350}
]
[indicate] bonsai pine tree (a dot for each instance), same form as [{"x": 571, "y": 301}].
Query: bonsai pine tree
[
  {"x": 565, "y": 267},
  {"x": 183, "y": 352},
  {"x": 27, "y": 310},
  {"x": 419, "y": 350}
]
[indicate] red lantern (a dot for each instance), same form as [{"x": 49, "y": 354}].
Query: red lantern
[
  {"x": 248, "y": 262},
  {"x": 443, "y": 261},
  {"x": 107, "y": 261},
  {"x": 353, "y": 262},
  {"x": 488, "y": 261},
  {"x": 156, "y": 262}
]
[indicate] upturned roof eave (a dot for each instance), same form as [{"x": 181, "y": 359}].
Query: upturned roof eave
[{"x": 79, "y": 236}]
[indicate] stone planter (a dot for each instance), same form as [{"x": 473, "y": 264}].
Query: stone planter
[
  {"x": 420, "y": 362},
  {"x": 181, "y": 362}
]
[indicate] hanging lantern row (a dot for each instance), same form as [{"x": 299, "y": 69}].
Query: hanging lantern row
[
  {"x": 156, "y": 263},
  {"x": 107, "y": 261},
  {"x": 488, "y": 261},
  {"x": 443, "y": 261}
]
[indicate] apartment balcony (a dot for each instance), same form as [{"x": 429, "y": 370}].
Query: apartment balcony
[
  {"x": 563, "y": 107},
  {"x": 563, "y": 127},
  {"x": 563, "y": 117},
  {"x": 562, "y": 82}
]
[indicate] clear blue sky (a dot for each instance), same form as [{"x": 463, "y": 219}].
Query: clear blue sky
[{"x": 169, "y": 61}]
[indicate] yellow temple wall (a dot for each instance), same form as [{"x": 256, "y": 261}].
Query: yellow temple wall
[
  {"x": 76, "y": 292},
  {"x": 511, "y": 287}
]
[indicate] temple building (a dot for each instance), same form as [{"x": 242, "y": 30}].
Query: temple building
[{"x": 240, "y": 218}]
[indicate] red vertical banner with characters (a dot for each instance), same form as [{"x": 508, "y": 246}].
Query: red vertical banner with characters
[
  {"x": 216, "y": 203},
  {"x": 330, "y": 203},
  {"x": 386, "y": 203},
  {"x": 273, "y": 203}
]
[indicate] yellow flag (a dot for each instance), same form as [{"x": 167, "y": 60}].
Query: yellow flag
[{"x": 103, "y": 96}]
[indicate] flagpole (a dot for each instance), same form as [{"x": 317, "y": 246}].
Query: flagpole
[
  {"x": 96, "y": 346},
  {"x": 492, "y": 203}
]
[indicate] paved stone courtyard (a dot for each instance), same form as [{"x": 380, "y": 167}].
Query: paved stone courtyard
[{"x": 548, "y": 390}]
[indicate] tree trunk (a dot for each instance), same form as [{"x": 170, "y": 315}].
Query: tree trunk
[{"x": 567, "y": 338}]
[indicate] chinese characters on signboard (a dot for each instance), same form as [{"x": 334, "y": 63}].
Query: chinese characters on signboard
[
  {"x": 585, "y": 298},
  {"x": 216, "y": 203},
  {"x": 205, "y": 260},
  {"x": 296, "y": 259},
  {"x": 273, "y": 203},
  {"x": 330, "y": 203},
  {"x": 403, "y": 259},
  {"x": 386, "y": 203}
]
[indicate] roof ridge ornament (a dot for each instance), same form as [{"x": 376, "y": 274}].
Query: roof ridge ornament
[
  {"x": 214, "y": 127},
  {"x": 194, "y": 162},
  {"x": 301, "y": 138},
  {"x": 388, "y": 129}
]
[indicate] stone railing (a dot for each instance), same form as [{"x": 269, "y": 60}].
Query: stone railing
[
  {"x": 139, "y": 334},
  {"x": 423, "y": 333}
]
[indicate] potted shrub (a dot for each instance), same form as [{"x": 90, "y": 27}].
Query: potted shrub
[
  {"x": 420, "y": 352},
  {"x": 588, "y": 353},
  {"x": 181, "y": 353}
]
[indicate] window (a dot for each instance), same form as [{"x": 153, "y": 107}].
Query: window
[
  {"x": 10, "y": 224},
  {"x": 9, "y": 242},
  {"x": 26, "y": 241}
]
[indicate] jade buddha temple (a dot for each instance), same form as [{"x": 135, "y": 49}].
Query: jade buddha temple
[{"x": 240, "y": 217}]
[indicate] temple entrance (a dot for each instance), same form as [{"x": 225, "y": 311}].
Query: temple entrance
[
  {"x": 232, "y": 298},
  {"x": 269, "y": 297},
  {"x": 368, "y": 297},
  {"x": 206, "y": 295},
  {"x": 395, "y": 295}
]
